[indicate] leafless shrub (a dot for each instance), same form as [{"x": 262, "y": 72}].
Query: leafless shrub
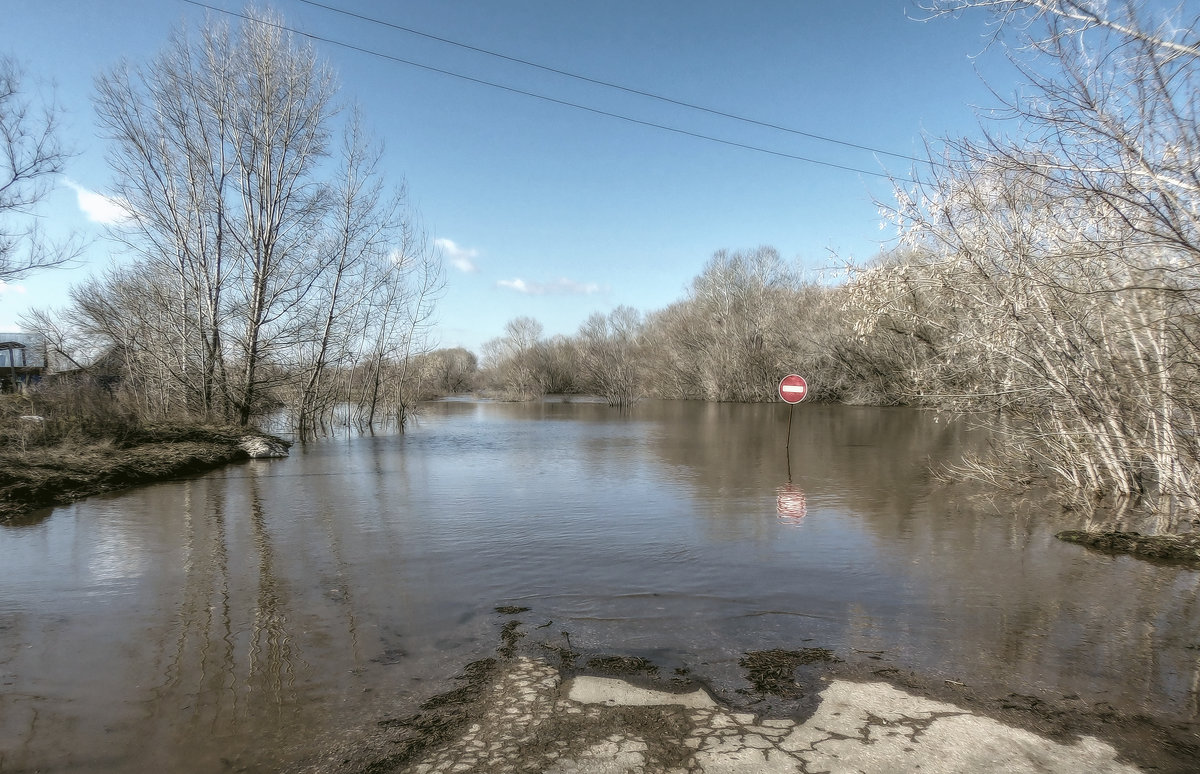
[{"x": 1057, "y": 263}]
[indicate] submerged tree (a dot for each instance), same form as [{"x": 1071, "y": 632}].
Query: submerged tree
[
  {"x": 399, "y": 314},
  {"x": 612, "y": 355},
  {"x": 736, "y": 332},
  {"x": 513, "y": 360},
  {"x": 355, "y": 259}
]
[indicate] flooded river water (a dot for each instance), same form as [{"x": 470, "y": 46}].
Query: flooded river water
[{"x": 254, "y": 616}]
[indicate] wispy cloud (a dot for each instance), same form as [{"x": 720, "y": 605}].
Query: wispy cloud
[
  {"x": 561, "y": 286},
  {"x": 518, "y": 285},
  {"x": 98, "y": 207},
  {"x": 461, "y": 258},
  {"x": 6, "y": 287}
]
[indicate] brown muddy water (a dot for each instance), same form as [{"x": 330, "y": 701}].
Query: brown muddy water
[{"x": 255, "y": 617}]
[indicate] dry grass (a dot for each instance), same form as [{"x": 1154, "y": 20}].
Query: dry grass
[
  {"x": 69, "y": 439},
  {"x": 75, "y": 412},
  {"x": 34, "y": 476}
]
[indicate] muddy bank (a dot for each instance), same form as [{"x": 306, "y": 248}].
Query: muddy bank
[
  {"x": 546, "y": 706},
  {"x": 1166, "y": 549},
  {"x": 55, "y": 475}
]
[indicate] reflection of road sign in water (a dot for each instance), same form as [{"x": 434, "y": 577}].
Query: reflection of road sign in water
[
  {"x": 791, "y": 504},
  {"x": 793, "y": 388}
]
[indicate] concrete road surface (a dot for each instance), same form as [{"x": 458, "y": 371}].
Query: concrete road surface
[{"x": 530, "y": 720}]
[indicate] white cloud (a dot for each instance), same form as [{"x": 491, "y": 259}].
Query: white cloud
[
  {"x": 561, "y": 286},
  {"x": 461, "y": 258},
  {"x": 9, "y": 288},
  {"x": 98, "y": 207},
  {"x": 515, "y": 284}
]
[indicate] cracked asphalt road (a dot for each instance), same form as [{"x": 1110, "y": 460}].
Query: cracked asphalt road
[{"x": 530, "y": 720}]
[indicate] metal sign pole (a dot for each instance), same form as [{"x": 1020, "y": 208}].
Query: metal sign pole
[
  {"x": 791, "y": 413},
  {"x": 792, "y": 389}
]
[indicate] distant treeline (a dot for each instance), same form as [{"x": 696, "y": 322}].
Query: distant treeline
[
  {"x": 746, "y": 321},
  {"x": 1047, "y": 274}
]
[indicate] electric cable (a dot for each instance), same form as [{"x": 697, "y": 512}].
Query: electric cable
[
  {"x": 544, "y": 97},
  {"x": 611, "y": 85}
]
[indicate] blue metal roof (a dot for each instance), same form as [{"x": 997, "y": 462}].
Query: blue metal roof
[{"x": 30, "y": 352}]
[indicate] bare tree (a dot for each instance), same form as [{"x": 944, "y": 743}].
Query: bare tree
[
  {"x": 733, "y": 336},
  {"x": 1059, "y": 260},
  {"x": 365, "y": 223},
  {"x": 511, "y": 360},
  {"x": 558, "y": 363},
  {"x": 274, "y": 261},
  {"x": 280, "y": 134},
  {"x": 403, "y": 284},
  {"x": 400, "y": 315},
  {"x": 450, "y": 371},
  {"x": 612, "y": 355},
  {"x": 126, "y": 310},
  {"x": 215, "y": 145},
  {"x": 173, "y": 163},
  {"x": 31, "y": 156}
]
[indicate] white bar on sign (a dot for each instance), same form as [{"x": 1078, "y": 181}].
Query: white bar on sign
[{"x": 791, "y": 388}]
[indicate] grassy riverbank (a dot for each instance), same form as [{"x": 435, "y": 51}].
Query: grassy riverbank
[{"x": 39, "y": 476}]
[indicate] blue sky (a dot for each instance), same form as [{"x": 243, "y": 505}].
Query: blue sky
[{"x": 555, "y": 212}]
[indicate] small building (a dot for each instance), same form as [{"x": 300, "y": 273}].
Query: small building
[{"x": 22, "y": 360}]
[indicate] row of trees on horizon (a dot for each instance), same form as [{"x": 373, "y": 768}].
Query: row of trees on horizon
[{"x": 1047, "y": 274}]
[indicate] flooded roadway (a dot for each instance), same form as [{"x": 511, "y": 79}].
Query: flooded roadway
[{"x": 255, "y": 617}]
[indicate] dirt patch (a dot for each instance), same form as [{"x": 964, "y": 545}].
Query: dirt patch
[
  {"x": 773, "y": 672},
  {"x": 509, "y": 637},
  {"x": 441, "y": 719},
  {"x": 566, "y": 656},
  {"x": 622, "y": 665},
  {"x": 652, "y": 725},
  {"x": 47, "y": 476},
  {"x": 1164, "y": 549}
]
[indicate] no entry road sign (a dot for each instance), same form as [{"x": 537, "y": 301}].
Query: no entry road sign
[{"x": 793, "y": 389}]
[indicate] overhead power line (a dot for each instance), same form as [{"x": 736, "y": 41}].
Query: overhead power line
[
  {"x": 544, "y": 97},
  {"x": 611, "y": 85}
]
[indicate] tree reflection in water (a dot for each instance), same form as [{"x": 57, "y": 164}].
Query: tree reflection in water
[
  {"x": 253, "y": 612},
  {"x": 232, "y": 653}
]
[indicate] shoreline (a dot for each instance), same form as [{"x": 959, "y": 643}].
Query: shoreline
[
  {"x": 44, "y": 477},
  {"x": 1173, "y": 550}
]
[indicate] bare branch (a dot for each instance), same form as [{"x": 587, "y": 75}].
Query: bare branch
[{"x": 31, "y": 157}]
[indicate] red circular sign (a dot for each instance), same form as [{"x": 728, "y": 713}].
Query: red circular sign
[{"x": 793, "y": 389}]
